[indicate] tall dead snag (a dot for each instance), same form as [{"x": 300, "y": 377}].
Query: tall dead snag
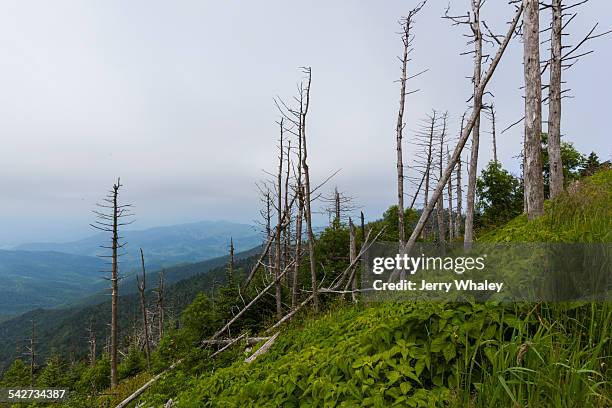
[
  {"x": 459, "y": 208},
  {"x": 554, "y": 102},
  {"x": 532, "y": 173},
  {"x": 490, "y": 112},
  {"x": 279, "y": 212},
  {"x": 465, "y": 134},
  {"x": 92, "y": 345},
  {"x": 407, "y": 38},
  {"x": 474, "y": 22},
  {"x": 31, "y": 352},
  {"x": 110, "y": 219},
  {"x": 298, "y": 226},
  {"x": 307, "y": 199},
  {"x": 353, "y": 258},
  {"x": 143, "y": 308},
  {"x": 451, "y": 224},
  {"x": 440, "y": 201},
  {"x": 160, "y": 305}
]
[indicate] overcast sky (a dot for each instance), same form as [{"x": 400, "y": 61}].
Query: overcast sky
[{"x": 177, "y": 99}]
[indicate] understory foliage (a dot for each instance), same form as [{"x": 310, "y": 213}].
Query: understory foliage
[{"x": 384, "y": 354}]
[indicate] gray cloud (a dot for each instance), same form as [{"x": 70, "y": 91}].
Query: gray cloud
[{"x": 176, "y": 98}]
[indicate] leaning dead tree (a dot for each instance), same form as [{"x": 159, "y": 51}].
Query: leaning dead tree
[
  {"x": 466, "y": 131},
  {"x": 142, "y": 285},
  {"x": 110, "y": 218},
  {"x": 407, "y": 39},
  {"x": 532, "y": 171}
]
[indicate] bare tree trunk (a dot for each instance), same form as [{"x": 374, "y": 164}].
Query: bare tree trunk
[
  {"x": 32, "y": 352},
  {"x": 298, "y": 246},
  {"x": 459, "y": 199},
  {"x": 440, "y": 203},
  {"x": 399, "y": 128},
  {"x": 92, "y": 346},
  {"x": 493, "y": 133},
  {"x": 143, "y": 308},
  {"x": 428, "y": 165},
  {"x": 352, "y": 258},
  {"x": 160, "y": 305},
  {"x": 287, "y": 230},
  {"x": 534, "y": 183},
  {"x": 451, "y": 226},
  {"x": 279, "y": 212},
  {"x": 477, "y": 99},
  {"x": 554, "y": 103},
  {"x": 465, "y": 134},
  {"x": 307, "y": 198}
]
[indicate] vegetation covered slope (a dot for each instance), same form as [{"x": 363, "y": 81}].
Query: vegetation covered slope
[
  {"x": 436, "y": 354},
  {"x": 64, "y": 330}
]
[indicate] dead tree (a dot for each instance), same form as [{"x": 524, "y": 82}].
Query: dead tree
[
  {"x": 110, "y": 219},
  {"x": 554, "y": 102},
  {"x": 31, "y": 352},
  {"x": 160, "y": 305},
  {"x": 490, "y": 113},
  {"x": 307, "y": 198},
  {"x": 352, "y": 258},
  {"x": 532, "y": 172},
  {"x": 338, "y": 205},
  {"x": 92, "y": 345},
  {"x": 440, "y": 201},
  {"x": 279, "y": 212},
  {"x": 451, "y": 223},
  {"x": 143, "y": 308},
  {"x": 407, "y": 39},
  {"x": 466, "y": 131},
  {"x": 423, "y": 162},
  {"x": 230, "y": 264},
  {"x": 298, "y": 229},
  {"x": 476, "y": 38}
]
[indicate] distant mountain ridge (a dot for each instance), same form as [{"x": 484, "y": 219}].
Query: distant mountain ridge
[
  {"x": 167, "y": 245},
  {"x": 39, "y": 279}
]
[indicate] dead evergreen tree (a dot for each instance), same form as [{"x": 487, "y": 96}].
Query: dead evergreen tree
[
  {"x": 92, "y": 345},
  {"x": 288, "y": 209},
  {"x": 490, "y": 113},
  {"x": 160, "y": 305},
  {"x": 353, "y": 258},
  {"x": 279, "y": 212},
  {"x": 532, "y": 172},
  {"x": 31, "y": 351},
  {"x": 459, "y": 187},
  {"x": 298, "y": 227},
  {"x": 554, "y": 102},
  {"x": 307, "y": 191},
  {"x": 110, "y": 219},
  {"x": 142, "y": 285},
  {"x": 473, "y": 20},
  {"x": 466, "y": 131},
  {"x": 440, "y": 202},
  {"x": 423, "y": 162},
  {"x": 407, "y": 39},
  {"x": 337, "y": 206},
  {"x": 451, "y": 223}
]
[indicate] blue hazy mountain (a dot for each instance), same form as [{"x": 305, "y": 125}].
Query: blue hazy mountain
[
  {"x": 45, "y": 275},
  {"x": 165, "y": 246},
  {"x": 33, "y": 279}
]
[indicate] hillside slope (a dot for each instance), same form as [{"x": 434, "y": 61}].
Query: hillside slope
[
  {"x": 64, "y": 329},
  {"x": 417, "y": 354},
  {"x": 30, "y": 279}
]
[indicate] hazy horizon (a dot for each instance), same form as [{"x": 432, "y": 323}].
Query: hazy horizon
[{"x": 177, "y": 100}]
